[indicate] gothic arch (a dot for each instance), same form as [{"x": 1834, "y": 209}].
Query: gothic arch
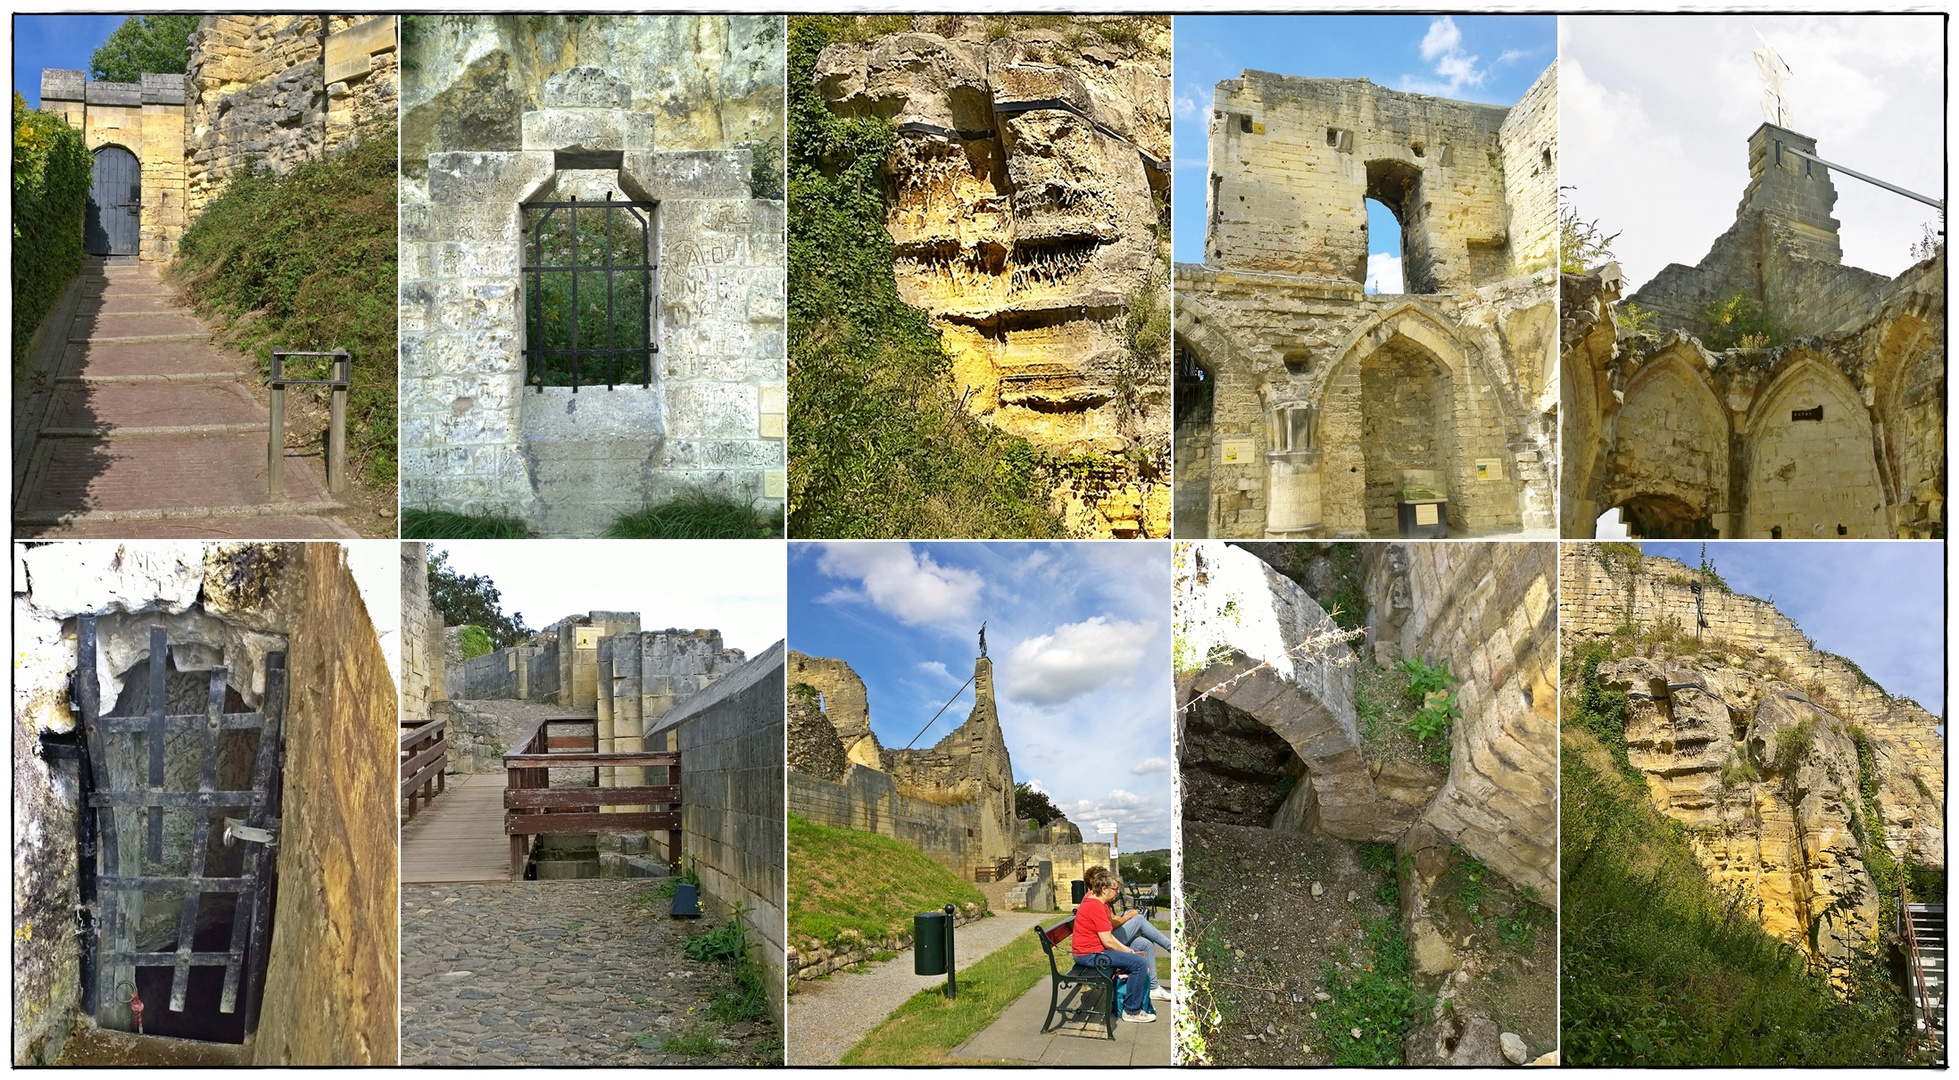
[
  {"x": 1811, "y": 477},
  {"x": 1908, "y": 379},
  {"x": 1667, "y": 462}
]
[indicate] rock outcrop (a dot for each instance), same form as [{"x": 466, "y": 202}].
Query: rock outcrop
[
  {"x": 1027, "y": 201},
  {"x": 1787, "y": 766}
]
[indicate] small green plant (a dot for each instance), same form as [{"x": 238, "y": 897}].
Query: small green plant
[
  {"x": 1582, "y": 245},
  {"x": 1738, "y": 771},
  {"x": 1631, "y": 318},
  {"x": 475, "y": 642},
  {"x": 765, "y": 176},
  {"x": 1377, "y": 999},
  {"x": 697, "y": 515},
  {"x": 1368, "y": 711},
  {"x": 1476, "y": 887},
  {"x": 443, "y": 525},
  {"x": 697, "y": 1041},
  {"x": 1436, "y": 710},
  {"x": 1738, "y": 322},
  {"x": 717, "y": 946},
  {"x": 666, "y": 888},
  {"x": 1520, "y": 929}
]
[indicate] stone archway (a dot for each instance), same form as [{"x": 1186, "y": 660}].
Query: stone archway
[
  {"x": 1910, "y": 397},
  {"x": 1388, "y": 404},
  {"x": 1811, "y": 462},
  {"x": 1215, "y": 447},
  {"x": 1667, "y": 467}
]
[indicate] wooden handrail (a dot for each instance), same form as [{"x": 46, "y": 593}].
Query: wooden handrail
[
  {"x": 532, "y": 807},
  {"x": 424, "y": 762}
]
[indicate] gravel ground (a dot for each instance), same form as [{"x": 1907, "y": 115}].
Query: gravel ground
[{"x": 555, "y": 973}]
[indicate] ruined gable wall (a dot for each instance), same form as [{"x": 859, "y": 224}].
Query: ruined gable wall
[
  {"x": 1529, "y": 138},
  {"x": 1289, "y": 194},
  {"x": 971, "y": 763},
  {"x": 845, "y": 704}
]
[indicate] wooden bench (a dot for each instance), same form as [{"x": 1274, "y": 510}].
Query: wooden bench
[{"x": 1084, "y": 982}]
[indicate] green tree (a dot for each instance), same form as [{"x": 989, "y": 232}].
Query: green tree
[
  {"x": 158, "y": 44},
  {"x": 473, "y": 600},
  {"x": 1032, "y": 803}
]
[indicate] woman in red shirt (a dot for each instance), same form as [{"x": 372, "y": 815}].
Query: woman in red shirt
[{"x": 1095, "y": 933}]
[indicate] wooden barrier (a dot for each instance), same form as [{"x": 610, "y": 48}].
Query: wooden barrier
[
  {"x": 532, "y": 807},
  {"x": 424, "y": 757}
]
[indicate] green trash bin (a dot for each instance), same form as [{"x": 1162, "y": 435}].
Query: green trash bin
[
  {"x": 929, "y": 936},
  {"x": 1076, "y": 890}
]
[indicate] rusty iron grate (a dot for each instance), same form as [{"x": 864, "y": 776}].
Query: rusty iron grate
[{"x": 591, "y": 292}]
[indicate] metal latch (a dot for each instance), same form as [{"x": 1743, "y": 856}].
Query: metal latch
[{"x": 234, "y": 828}]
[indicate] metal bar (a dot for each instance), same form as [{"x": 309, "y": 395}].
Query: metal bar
[
  {"x": 673, "y": 831},
  {"x": 336, "y": 455},
  {"x": 159, "y": 695},
  {"x": 1926, "y": 199},
  {"x": 165, "y": 959},
  {"x": 176, "y": 884},
  {"x": 115, "y": 725},
  {"x": 176, "y": 799},
  {"x": 649, "y": 243},
  {"x": 574, "y": 295},
  {"x": 275, "y": 461},
  {"x": 610, "y": 341}
]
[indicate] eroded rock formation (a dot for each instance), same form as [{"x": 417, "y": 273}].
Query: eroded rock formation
[
  {"x": 1026, "y": 197},
  {"x": 1760, "y": 745},
  {"x": 1826, "y": 420}
]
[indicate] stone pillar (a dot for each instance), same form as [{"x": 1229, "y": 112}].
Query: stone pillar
[{"x": 1292, "y": 485}]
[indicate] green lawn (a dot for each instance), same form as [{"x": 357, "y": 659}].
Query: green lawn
[
  {"x": 924, "y": 1030},
  {"x": 843, "y": 879}
]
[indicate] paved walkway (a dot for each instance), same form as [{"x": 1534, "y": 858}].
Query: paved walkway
[
  {"x": 828, "y": 1017},
  {"x": 1015, "y": 1038},
  {"x": 149, "y": 429},
  {"x": 459, "y": 835},
  {"x": 555, "y": 973}
]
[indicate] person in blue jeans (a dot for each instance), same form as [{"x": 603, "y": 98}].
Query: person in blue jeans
[
  {"x": 1095, "y": 934},
  {"x": 1132, "y": 927}
]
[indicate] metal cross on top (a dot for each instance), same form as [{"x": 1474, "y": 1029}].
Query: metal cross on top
[
  {"x": 982, "y": 640},
  {"x": 1773, "y": 69}
]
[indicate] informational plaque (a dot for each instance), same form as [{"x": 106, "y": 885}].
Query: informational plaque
[{"x": 1425, "y": 514}]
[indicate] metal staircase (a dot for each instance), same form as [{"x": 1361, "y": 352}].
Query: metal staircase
[{"x": 1921, "y": 927}]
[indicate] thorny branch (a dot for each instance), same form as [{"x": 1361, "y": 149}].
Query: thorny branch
[{"x": 1317, "y": 645}]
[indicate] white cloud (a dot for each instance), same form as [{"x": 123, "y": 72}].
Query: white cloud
[
  {"x": 904, "y": 584},
  {"x": 1454, "y": 68},
  {"x": 1076, "y": 658},
  {"x": 1186, "y": 106},
  {"x": 1150, "y": 765},
  {"x": 1384, "y": 273},
  {"x": 1141, "y": 818},
  {"x": 933, "y": 667}
]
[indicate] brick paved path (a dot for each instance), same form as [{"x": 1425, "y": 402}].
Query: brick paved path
[
  {"x": 555, "y": 973},
  {"x": 148, "y": 429}
]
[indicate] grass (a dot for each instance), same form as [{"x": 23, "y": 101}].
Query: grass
[
  {"x": 1377, "y": 998},
  {"x": 1659, "y": 969},
  {"x": 844, "y": 880},
  {"x": 925, "y": 1029},
  {"x": 476, "y": 642},
  {"x": 306, "y": 261},
  {"x": 696, "y": 1041},
  {"x": 697, "y": 515},
  {"x": 443, "y": 525}
]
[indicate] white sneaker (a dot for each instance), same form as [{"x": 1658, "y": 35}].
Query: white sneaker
[
  {"x": 1159, "y": 993},
  {"x": 1144, "y": 1017}
]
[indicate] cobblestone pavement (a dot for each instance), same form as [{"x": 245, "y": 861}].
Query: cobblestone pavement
[{"x": 557, "y": 973}]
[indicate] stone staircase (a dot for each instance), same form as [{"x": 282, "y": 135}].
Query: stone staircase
[{"x": 150, "y": 430}]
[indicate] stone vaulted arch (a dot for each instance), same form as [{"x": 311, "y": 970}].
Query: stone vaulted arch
[
  {"x": 1810, "y": 457},
  {"x": 1667, "y": 463}
]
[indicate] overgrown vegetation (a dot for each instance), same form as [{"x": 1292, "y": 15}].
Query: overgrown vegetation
[
  {"x": 1582, "y": 245},
  {"x": 1738, "y": 322},
  {"x": 1436, "y": 710},
  {"x": 158, "y": 44},
  {"x": 444, "y": 525},
  {"x": 473, "y": 600},
  {"x": 1658, "y": 968},
  {"x": 1375, "y": 997},
  {"x": 475, "y": 642},
  {"x": 845, "y": 881},
  {"x": 51, "y": 180},
  {"x": 569, "y": 312},
  {"x": 1631, "y": 318},
  {"x": 745, "y": 997},
  {"x": 878, "y": 443},
  {"x": 1200, "y": 1011},
  {"x": 306, "y": 261},
  {"x": 697, "y": 515},
  {"x": 1030, "y": 803},
  {"x": 765, "y": 175}
]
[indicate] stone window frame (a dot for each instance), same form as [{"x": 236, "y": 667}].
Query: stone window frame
[{"x": 531, "y": 275}]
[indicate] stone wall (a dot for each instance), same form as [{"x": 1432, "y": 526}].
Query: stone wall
[
  {"x": 1313, "y": 378},
  {"x": 499, "y": 673},
  {"x": 1487, "y": 611},
  {"x": 842, "y": 699},
  {"x": 1833, "y": 432},
  {"x": 424, "y": 652},
  {"x": 1022, "y": 199},
  {"x": 1068, "y": 863},
  {"x": 330, "y": 994},
  {"x": 504, "y": 110},
  {"x": 870, "y": 801},
  {"x": 641, "y": 676},
  {"x": 730, "y": 739}
]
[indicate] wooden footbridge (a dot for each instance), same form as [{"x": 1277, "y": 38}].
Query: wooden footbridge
[{"x": 481, "y": 827}]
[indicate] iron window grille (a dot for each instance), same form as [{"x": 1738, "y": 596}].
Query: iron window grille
[{"x": 592, "y": 288}]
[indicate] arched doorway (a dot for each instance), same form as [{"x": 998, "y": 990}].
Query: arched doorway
[
  {"x": 115, "y": 203},
  {"x": 1407, "y": 423},
  {"x": 1191, "y": 492}
]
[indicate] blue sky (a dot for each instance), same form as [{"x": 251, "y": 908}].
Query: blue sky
[
  {"x": 1079, "y": 635},
  {"x": 735, "y": 587},
  {"x": 55, "y": 41},
  {"x": 1880, "y": 603},
  {"x": 1491, "y": 59}
]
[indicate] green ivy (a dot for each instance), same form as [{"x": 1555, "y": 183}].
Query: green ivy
[{"x": 51, "y": 179}]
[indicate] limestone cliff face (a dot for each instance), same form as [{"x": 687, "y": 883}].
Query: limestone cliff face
[
  {"x": 1023, "y": 197},
  {"x": 1748, "y": 737}
]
